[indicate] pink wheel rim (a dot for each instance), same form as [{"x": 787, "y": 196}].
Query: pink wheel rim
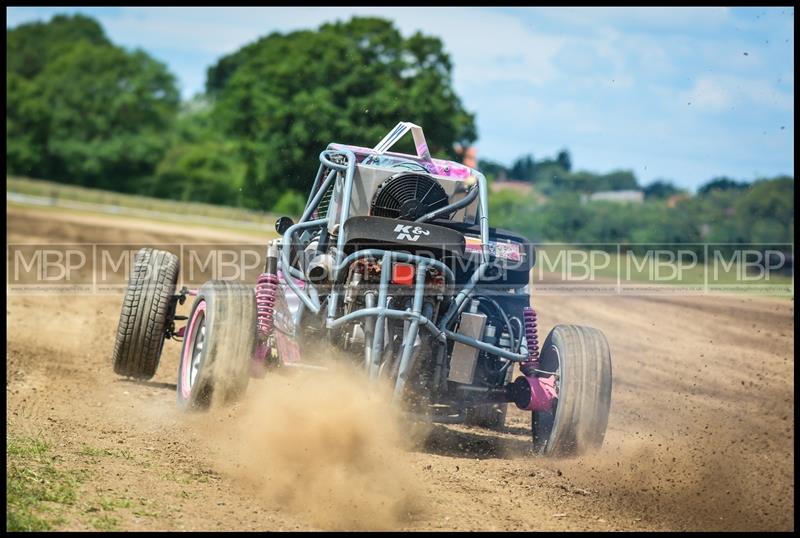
[{"x": 188, "y": 350}]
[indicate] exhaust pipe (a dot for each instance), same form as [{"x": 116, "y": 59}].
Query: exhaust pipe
[{"x": 320, "y": 268}]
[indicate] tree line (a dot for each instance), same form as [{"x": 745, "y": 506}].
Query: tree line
[
  {"x": 722, "y": 211},
  {"x": 552, "y": 176}
]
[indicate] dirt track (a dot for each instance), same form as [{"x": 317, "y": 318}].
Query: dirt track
[{"x": 701, "y": 433}]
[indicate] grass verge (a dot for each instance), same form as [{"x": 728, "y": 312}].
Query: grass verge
[
  {"x": 75, "y": 193},
  {"x": 37, "y": 491}
]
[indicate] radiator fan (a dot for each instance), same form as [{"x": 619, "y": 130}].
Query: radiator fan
[{"x": 408, "y": 196}]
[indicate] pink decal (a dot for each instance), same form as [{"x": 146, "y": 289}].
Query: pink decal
[
  {"x": 508, "y": 251},
  {"x": 440, "y": 167}
]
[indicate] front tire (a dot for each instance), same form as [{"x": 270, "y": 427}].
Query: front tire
[
  {"x": 218, "y": 345},
  {"x": 145, "y": 313},
  {"x": 578, "y": 419}
]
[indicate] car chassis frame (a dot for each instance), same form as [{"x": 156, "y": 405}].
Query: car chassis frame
[{"x": 309, "y": 296}]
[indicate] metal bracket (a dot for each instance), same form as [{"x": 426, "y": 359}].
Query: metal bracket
[
  {"x": 398, "y": 132},
  {"x": 179, "y": 297}
]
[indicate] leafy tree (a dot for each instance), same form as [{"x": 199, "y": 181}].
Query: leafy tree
[
  {"x": 767, "y": 209},
  {"x": 26, "y": 126},
  {"x": 553, "y": 179},
  {"x": 202, "y": 172},
  {"x": 721, "y": 184},
  {"x": 523, "y": 168},
  {"x": 492, "y": 169},
  {"x": 508, "y": 209},
  {"x": 201, "y": 164},
  {"x": 562, "y": 218},
  {"x": 108, "y": 111},
  {"x": 661, "y": 189},
  {"x": 32, "y": 46},
  {"x": 618, "y": 180},
  {"x": 81, "y": 110},
  {"x": 286, "y": 96},
  {"x": 291, "y": 203},
  {"x": 564, "y": 160},
  {"x": 655, "y": 224}
]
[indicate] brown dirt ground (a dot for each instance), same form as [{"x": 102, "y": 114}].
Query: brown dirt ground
[{"x": 700, "y": 437}]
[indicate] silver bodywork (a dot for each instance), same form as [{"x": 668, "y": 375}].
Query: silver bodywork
[{"x": 366, "y": 181}]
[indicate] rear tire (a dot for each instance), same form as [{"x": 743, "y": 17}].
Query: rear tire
[
  {"x": 577, "y": 422},
  {"x": 218, "y": 345},
  {"x": 145, "y": 313}
]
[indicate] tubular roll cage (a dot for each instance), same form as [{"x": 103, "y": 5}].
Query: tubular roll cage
[{"x": 379, "y": 313}]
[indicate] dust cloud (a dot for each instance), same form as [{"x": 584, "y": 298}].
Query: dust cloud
[{"x": 327, "y": 446}]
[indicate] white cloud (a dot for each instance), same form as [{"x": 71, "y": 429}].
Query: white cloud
[
  {"x": 709, "y": 94},
  {"x": 644, "y": 21},
  {"x": 474, "y": 38},
  {"x": 717, "y": 93}
]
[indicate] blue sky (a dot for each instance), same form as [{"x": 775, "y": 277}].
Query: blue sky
[{"x": 684, "y": 94}]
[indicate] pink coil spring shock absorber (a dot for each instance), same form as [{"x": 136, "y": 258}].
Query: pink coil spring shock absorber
[
  {"x": 532, "y": 338},
  {"x": 533, "y": 392},
  {"x": 266, "y": 292}
]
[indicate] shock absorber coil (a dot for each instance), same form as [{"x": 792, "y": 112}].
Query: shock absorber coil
[
  {"x": 266, "y": 292},
  {"x": 532, "y": 339}
]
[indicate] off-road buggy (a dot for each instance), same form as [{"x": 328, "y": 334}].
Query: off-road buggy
[{"x": 394, "y": 263}]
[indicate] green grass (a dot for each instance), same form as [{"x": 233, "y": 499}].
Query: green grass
[
  {"x": 37, "y": 491},
  {"x": 636, "y": 270},
  {"x": 109, "y": 505},
  {"x": 200, "y": 226},
  {"x": 71, "y": 199},
  {"x": 42, "y": 496},
  {"x": 94, "y": 452},
  {"x": 105, "y": 523},
  {"x": 74, "y": 193}
]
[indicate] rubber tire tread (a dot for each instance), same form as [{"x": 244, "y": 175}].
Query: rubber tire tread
[
  {"x": 585, "y": 391},
  {"x": 230, "y": 341},
  {"x": 145, "y": 308}
]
